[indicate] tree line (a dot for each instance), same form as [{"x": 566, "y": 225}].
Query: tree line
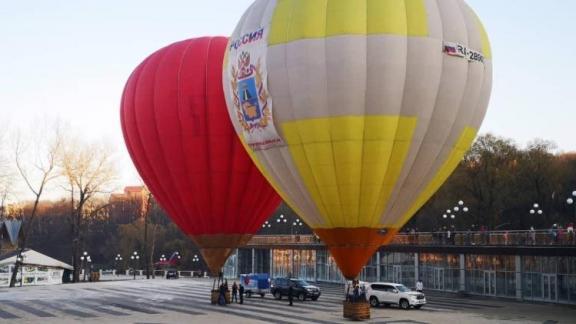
[{"x": 499, "y": 183}]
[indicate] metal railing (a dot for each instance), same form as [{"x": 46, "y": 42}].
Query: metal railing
[
  {"x": 462, "y": 238},
  {"x": 267, "y": 240},
  {"x": 489, "y": 238}
]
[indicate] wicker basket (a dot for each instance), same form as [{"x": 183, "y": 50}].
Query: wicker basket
[
  {"x": 359, "y": 311},
  {"x": 214, "y": 297}
]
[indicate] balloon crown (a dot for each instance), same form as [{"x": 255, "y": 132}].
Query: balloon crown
[{"x": 244, "y": 65}]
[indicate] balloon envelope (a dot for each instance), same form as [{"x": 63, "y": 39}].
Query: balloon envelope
[
  {"x": 364, "y": 108},
  {"x": 179, "y": 135}
]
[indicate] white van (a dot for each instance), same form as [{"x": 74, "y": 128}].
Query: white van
[{"x": 387, "y": 293}]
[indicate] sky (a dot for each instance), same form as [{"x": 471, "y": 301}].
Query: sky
[{"x": 69, "y": 60}]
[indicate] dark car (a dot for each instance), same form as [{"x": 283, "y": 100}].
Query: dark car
[
  {"x": 172, "y": 274},
  {"x": 300, "y": 289}
]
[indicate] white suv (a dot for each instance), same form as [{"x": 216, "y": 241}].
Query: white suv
[{"x": 392, "y": 293}]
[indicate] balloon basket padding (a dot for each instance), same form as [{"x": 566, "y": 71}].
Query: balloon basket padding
[
  {"x": 216, "y": 293},
  {"x": 359, "y": 311}
]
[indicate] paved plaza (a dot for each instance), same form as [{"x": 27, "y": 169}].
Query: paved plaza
[{"x": 186, "y": 301}]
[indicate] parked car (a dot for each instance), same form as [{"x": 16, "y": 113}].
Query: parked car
[
  {"x": 255, "y": 283},
  {"x": 385, "y": 293},
  {"x": 301, "y": 289},
  {"x": 172, "y": 274}
]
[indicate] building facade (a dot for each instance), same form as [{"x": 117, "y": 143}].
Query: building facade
[{"x": 473, "y": 271}]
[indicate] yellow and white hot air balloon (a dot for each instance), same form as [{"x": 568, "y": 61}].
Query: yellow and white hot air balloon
[{"x": 357, "y": 111}]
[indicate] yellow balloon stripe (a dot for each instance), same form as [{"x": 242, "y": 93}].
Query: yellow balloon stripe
[
  {"x": 350, "y": 164},
  {"x": 486, "y": 48},
  {"x": 460, "y": 148},
  {"x": 308, "y": 19}
]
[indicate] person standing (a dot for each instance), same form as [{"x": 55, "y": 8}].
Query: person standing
[
  {"x": 419, "y": 286},
  {"x": 241, "y": 291},
  {"x": 356, "y": 293},
  {"x": 222, "y": 295},
  {"x": 291, "y": 293},
  {"x": 234, "y": 292}
]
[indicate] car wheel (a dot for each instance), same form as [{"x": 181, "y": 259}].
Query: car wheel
[
  {"x": 315, "y": 298},
  {"x": 374, "y": 302},
  {"x": 277, "y": 295},
  {"x": 301, "y": 297},
  {"x": 249, "y": 294},
  {"x": 418, "y": 306},
  {"x": 261, "y": 295},
  {"x": 404, "y": 304}
]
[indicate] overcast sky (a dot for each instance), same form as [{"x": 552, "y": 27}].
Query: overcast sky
[{"x": 70, "y": 60}]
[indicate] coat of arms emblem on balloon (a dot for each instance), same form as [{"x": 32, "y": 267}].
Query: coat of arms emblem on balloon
[
  {"x": 250, "y": 96},
  {"x": 246, "y": 78}
]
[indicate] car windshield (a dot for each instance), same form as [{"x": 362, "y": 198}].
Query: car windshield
[
  {"x": 301, "y": 282},
  {"x": 402, "y": 288}
]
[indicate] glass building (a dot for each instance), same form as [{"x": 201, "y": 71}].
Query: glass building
[{"x": 531, "y": 278}]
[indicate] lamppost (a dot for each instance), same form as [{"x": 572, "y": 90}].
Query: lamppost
[
  {"x": 177, "y": 255},
  {"x": 281, "y": 219},
  {"x": 163, "y": 258},
  {"x": 296, "y": 224},
  {"x": 266, "y": 224},
  {"x": 536, "y": 210},
  {"x": 570, "y": 201},
  {"x": 459, "y": 208},
  {"x": 135, "y": 257},
  {"x": 89, "y": 264},
  {"x": 20, "y": 260},
  {"x": 117, "y": 259},
  {"x": 83, "y": 266}
]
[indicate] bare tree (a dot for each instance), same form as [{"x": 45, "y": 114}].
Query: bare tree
[
  {"x": 36, "y": 162},
  {"x": 6, "y": 175},
  {"x": 89, "y": 170}
]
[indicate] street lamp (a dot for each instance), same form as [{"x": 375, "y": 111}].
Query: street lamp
[
  {"x": 266, "y": 225},
  {"x": 297, "y": 223},
  {"x": 117, "y": 259},
  {"x": 135, "y": 257},
  {"x": 163, "y": 258},
  {"x": 83, "y": 266},
  {"x": 281, "y": 219},
  {"x": 195, "y": 258},
  {"x": 20, "y": 260},
  {"x": 570, "y": 201},
  {"x": 89, "y": 265},
  {"x": 536, "y": 209},
  {"x": 451, "y": 213}
]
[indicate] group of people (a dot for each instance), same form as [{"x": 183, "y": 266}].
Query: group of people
[
  {"x": 562, "y": 235},
  {"x": 356, "y": 292},
  {"x": 237, "y": 291}
]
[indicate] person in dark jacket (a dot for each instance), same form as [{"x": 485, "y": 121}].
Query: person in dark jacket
[
  {"x": 291, "y": 294},
  {"x": 234, "y": 292},
  {"x": 241, "y": 291},
  {"x": 222, "y": 295}
]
